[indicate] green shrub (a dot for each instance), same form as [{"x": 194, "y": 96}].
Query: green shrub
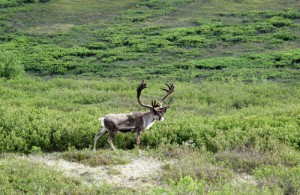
[
  {"x": 286, "y": 179},
  {"x": 9, "y": 3},
  {"x": 191, "y": 41},
  {"x": 285, "y": 35},
  {"x": 10, "y": 64},
  {"x": 278, "y": 21},
  {"x": 264, "y": 27}
]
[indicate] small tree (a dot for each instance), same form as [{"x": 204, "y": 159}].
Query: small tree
[{"x": 10, "y": 65}]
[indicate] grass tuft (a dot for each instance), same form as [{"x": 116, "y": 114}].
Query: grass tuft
[{"x": 99, "y": 158}]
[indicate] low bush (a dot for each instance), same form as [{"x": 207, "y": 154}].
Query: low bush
[
  {"x": 9, "y": 3},
  {"x": 10, "y": 65},
  {"x": 286, "y": 179},
  {"x": 278, "y": 21}
]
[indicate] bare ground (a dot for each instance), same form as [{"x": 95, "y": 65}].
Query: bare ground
[{"x": 140, "y": 172}]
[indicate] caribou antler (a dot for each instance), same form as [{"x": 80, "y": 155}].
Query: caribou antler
[
  {"x": 155, "y": 104},
  {"x": 171, "y": 89},
  {"x": 142, "y": 86}
]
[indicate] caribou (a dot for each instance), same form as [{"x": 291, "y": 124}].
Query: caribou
[{"x": 135, "y": 121}]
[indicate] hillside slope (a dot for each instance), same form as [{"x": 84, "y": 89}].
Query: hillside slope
[{"x": 181, "y": 39}]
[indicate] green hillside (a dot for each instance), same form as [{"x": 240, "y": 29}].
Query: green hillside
[
  {"x": 144, "y": 39},
  {"x": 234, "y": 127}
]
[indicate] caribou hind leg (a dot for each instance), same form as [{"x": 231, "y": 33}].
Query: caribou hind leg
[
  {"x": 110, "y": 139},
  {"x": 100, "y": 134}
]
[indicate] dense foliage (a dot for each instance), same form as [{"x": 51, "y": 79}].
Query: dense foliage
[{"x": 61, "y": 113}]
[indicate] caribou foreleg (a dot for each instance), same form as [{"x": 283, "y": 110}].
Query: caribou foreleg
[
  {"x": 100, "y": 134},
  {"x": 138, "y": 138},
  {"x": 138, "y": 141}
]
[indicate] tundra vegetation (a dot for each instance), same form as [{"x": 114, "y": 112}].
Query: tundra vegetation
[{"x": 235, "y": 64}]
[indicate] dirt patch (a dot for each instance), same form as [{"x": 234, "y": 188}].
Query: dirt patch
[{"x": 140, "y": 172}]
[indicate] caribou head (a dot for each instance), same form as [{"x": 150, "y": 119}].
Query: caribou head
[
  {"x": 156, "y": 108},
  {"x": 135, "y": 121}
]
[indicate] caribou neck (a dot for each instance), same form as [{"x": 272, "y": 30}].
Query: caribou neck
[{"x": 148, "y": 119}]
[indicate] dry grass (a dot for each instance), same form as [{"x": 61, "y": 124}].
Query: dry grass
[
  {"x": 55, "y": 28},
  {"x": 99, "y": 158},
  {"x": 190, "y": 162},
  {"x": 61, "y": 16}
]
